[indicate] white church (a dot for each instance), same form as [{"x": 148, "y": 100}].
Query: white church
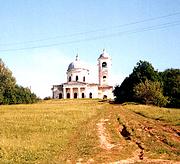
[{"x": 78, "y": 84}]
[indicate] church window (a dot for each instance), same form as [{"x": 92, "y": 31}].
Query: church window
[
  {"x": 75, "y": 95},
  {"x": 104, "y": 64},
  {"x": 68, "y": 95},
  {"x": 76, "y": 78},
  {"x": 69, "y": 78},
  {"x": 84, "y": 78},
  {"x": 104, "y": 77},
  {"x": 90, "y": 95},
  {"x": 82, "y": 95}
]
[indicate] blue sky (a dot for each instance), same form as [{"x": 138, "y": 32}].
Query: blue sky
[{"x": 38, "y": 39}]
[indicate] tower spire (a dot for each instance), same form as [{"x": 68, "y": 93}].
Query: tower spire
[{"x": 77, "y": 57}]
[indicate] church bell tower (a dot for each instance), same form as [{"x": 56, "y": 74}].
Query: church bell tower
[{"x": 104, "y": 65}]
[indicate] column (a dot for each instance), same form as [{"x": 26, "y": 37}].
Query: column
[
  {"x": 64, "y": 93},
  {"x": 71, "y": 93},
  {"x": 79, "y": 94}
]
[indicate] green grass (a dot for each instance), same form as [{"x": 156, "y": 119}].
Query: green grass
[
  {"x": 57, "y": 131},
  {"x": 163, "y": 114}
]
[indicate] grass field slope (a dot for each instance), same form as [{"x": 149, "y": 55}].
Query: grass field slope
[{"x": 88, "y": 131}]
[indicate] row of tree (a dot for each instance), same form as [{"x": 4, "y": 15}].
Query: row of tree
[
  {"x": 148, "y": 86},
  {"x": 10, "y": 92}
]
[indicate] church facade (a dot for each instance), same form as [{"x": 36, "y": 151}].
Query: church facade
[{"x": 78, "y": 83}]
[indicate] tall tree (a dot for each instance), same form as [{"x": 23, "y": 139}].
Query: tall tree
[
  {"x": 142, "y": 71},
  {"x": 10, "y": 92},
  {"x": 171, "y": 86},
  {"x": 7, "y": 82}
]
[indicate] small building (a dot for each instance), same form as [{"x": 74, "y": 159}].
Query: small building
[{"x": 78, "y": 83}]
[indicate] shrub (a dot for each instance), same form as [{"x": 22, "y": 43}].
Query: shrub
[
  {"x": 149, "y": 92},
  {"x": 47, "y": 98}
]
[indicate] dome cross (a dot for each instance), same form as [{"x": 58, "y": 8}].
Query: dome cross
[{"x": 77, "y": 57}]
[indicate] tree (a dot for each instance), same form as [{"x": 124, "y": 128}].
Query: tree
[
  {"x": 171, "y": 86},
  {"x": 124, "y": 92},
  {"x": 142, "y": 71},
  {"x": 7, "y": 82},
  {"x": 149, "y": 92},
  {"x": 24, "y": 95},
  {"x": 10, "y": 92}
]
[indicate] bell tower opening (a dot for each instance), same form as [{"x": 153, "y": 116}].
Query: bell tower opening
[{"x": 104, "y": 64}]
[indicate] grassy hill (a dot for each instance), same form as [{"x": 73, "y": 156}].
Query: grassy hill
[{"x": 88, "y": 131}]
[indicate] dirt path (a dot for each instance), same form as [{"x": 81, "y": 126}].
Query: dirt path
[
  {"x": 142, "y": 129},
  {"x": 103, "y": 136},
  {"x": 125, "y": 137}
]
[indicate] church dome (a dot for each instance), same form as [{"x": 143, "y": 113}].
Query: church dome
[
  {"x": 104, "y": 54},
  {"x": 77, "y": 64}
]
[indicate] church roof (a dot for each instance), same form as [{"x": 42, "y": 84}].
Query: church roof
[
  {"x": 104, "y": 54},
  {"x": 77, "y": 64},
  {"x": 74, "y": 83}
]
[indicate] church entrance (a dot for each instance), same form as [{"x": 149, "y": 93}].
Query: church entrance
[
  {"x": 60, "y": 96},
  {"x": 75, "y": 95},
  {"x": 68, "y": 95},
  {"x": 90, "y": 95},
  {"x": 105, "y": 97}
]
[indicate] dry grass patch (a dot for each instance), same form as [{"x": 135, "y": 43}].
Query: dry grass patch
[
  {"x": 41, "y": 132},
  {"x": 60, "y": 131}
]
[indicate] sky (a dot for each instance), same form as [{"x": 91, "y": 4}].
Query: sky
[{"x": 40, "y": 38}]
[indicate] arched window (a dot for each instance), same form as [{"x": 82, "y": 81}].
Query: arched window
[
  {"x": 60, "y": 96},
  {"x": 68, "y": 95},
  {"x": 69, "y": 78},
  {"x": 76, "y": 78},
  {"x": 104, "y": 78},
  {"x": 82, "y": 95},
  {"x": 84, "y": 79},
  {"x": 75, "y": 95},
  {"x": 90, "y": 95},
  {"x": 104, "y": 64}
]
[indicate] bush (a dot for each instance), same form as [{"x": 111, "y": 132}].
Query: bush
[
  {"x": 47, "y": 98},
  {"x": 149, "y": 92}
]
